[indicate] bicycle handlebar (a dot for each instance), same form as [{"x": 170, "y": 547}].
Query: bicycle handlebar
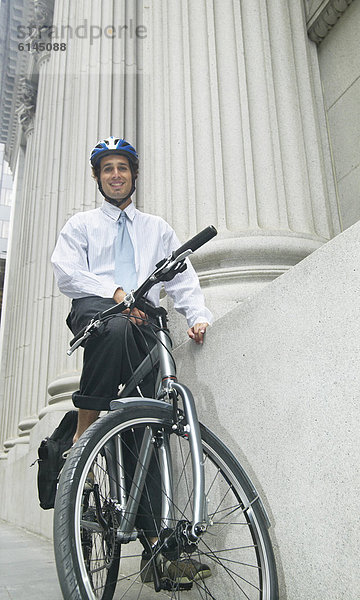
[
  {"x": 166, "y": 269},
  {"x": 197, "y": 241}
]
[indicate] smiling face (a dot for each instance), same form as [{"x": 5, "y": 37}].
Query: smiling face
[{"x": 116, "y": 177}]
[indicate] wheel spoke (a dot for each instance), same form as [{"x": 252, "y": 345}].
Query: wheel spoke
[{"x": 235, "y": 545}]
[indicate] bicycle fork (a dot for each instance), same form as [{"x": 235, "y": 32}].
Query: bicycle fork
[
  {"x": 191, "y": 430},
  {"x": 129, "y": 503}
]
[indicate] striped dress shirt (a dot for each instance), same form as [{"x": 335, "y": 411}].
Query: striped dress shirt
[{"x": 84, "y": 258}]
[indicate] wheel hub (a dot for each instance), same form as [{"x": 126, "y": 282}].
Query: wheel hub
[{"x": 174, "y": 541}]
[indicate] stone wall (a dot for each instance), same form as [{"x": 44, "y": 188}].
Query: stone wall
[{"x": 278, "y": 381}]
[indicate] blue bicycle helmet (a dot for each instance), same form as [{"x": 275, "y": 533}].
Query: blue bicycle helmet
[{"x": 113, "y": 145}]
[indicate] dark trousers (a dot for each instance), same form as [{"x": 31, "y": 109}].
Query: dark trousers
[{"x": 110, "y": 357}]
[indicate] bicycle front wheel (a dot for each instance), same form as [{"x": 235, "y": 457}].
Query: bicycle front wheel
[{"x": 96, "y": 561}]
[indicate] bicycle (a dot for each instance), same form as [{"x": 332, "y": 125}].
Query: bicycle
[{"x": 207, "y": 509}]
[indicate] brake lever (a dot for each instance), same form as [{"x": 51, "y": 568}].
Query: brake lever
[
  {"x": 164, "y": 268},
  {"x": 129, "y": 299},
  {"x": 179, "y": 267},
  {"x": 93, "y": 325},
  {"x": 178, "y": 259}
]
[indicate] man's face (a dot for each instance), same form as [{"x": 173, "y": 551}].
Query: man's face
[{"x": 115, "y": 176}]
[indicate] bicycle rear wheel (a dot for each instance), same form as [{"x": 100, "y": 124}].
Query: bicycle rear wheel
[{"x": 236, "y": 545}]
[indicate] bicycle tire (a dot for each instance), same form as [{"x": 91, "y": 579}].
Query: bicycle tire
[{"x": 244, "y": 568}]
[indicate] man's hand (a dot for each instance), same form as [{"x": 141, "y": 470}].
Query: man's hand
[
  {"x": 197, "y": 332},
  {"x": 137, "y": 316}
]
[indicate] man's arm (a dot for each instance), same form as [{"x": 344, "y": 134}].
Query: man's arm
[
  {"x": 186, "y": 293},
  {"x": 71, "y": 270}
]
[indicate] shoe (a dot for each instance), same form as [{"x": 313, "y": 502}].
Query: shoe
[
  {"x": 182, "y": 571},
  {"x": 186, "y": 570}
]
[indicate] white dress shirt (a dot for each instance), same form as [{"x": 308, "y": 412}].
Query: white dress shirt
[{"x": 84, "y": 258}]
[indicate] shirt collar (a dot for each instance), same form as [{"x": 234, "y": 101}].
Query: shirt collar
[{"x": 114, "y": 212}]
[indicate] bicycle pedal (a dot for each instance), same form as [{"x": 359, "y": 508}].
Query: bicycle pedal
[{"x": 169, "y": 585}]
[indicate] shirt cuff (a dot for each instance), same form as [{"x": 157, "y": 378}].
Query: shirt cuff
[
  {"x": 205, "y": 317},
  {"x": 110, "y": 291}
]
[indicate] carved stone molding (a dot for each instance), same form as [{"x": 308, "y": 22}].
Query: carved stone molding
[
  {"x": 322, "y": 16},
  {"x": 42, "y": 16},
  {"x": 16, "y": 105},
  {"x": 43, "y": 12},
  {"x": 26, "y": 108},
  {"x": 60, "y": 392}
]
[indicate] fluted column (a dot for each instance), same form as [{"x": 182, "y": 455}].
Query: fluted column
[
  {"x": 15, "y": 337},
  {"x": 84, "y": 93},
  {"x": 231, "y": 137},
  {"x": 221, "y": 99},
  {"x": 99, "y": 98},
  {"x": 24, "y": 350}
]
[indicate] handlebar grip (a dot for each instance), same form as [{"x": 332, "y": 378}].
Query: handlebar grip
[{"x": 198, "y": 240}]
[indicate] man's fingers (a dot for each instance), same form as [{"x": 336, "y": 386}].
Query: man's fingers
[
  {"x": 201, "y": 329},
  {"x": 137, "y": 317},
  {"x": 197, "y": 332}
]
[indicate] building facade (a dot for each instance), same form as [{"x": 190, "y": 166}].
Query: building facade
[
  {"x": 238, "y": 120},
  {"x": 6, "y": 190}
]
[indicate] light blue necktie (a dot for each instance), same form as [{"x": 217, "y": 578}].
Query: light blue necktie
[{"x": 125, "y": 272}]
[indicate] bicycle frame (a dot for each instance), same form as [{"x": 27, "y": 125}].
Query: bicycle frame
[
  {"x": 169, "y": 391},
  {"x": 118, "y": 452}
]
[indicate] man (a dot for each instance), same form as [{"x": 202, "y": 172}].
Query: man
[
  {"x": 101, "y": 255},
  {"x": 88, "y": 269}
]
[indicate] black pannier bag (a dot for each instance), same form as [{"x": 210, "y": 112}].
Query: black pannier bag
[{"x": 51, "y": 461}]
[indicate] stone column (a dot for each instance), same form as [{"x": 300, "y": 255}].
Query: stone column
[
  {"x": 16, "y": 322},
  {"x": 221, "y": 100},
  {"x": 84, "y": 94},
  {"x": 100, "y": 98},
  {"x": 231, "y": 138}
]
